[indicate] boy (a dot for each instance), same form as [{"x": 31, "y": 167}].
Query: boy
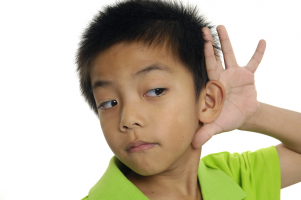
[{"x": 160, "y": 93}]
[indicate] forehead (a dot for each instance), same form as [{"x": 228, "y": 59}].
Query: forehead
[
  {"x": 130, "y": 53},
  {"x": 124, "y": 60}
]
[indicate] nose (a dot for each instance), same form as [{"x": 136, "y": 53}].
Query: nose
[{"x": 131, "y": 116}]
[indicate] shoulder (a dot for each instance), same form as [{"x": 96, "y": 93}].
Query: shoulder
[
  {"x": 245, "y": 161},
  {"x": 85, "y": 198},
  {"x": 255, "y": 172}
]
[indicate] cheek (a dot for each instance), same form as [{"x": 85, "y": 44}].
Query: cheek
[
  {"x": 178, "y": 124},
  {"x": 111, "y": 136}
]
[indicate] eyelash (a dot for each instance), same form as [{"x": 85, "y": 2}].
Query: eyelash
[{"x": 164, "y": 89}]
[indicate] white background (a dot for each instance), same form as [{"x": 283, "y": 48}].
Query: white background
[{"x": 51, "y": 143}]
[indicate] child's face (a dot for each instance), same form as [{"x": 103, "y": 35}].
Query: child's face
[{"x": 137, "y": 112}]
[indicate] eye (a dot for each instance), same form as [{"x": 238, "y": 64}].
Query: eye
[
  {"x": 105, "y": 104},
  {"x": 156, "y": 91}
]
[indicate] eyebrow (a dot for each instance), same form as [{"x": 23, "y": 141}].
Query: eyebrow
[{"x": 142, "y": 72}]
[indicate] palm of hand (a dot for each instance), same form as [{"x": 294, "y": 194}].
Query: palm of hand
[{"x": 241, "y": 96}]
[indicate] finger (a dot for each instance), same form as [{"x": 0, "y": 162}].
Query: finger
[
  {"x": 218, "y": 60},
  {"x": 210, "y": 60},
  {"x": 229, "y": 57},
  {"x": 257, "y": 57},
  {"x": 204, "y": 134},
  {"x": 211, "y": 64},
  {"x": 208, "y": 37}
]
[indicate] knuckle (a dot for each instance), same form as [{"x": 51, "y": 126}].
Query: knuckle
[
  {"x": 228, "y": 51},
  {"x": 212, "y": 68},
  {"x": 256, "y": 60}
]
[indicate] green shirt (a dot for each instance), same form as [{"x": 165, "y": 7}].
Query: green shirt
[{"x": 222, "y": 176}]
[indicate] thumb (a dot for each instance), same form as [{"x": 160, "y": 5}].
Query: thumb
[{"x": 204, "y": 134}]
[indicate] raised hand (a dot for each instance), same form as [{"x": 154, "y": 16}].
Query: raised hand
[{"x": 241, "y": 96}]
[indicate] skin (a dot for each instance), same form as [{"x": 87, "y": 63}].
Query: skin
[
  {"x": 241, "y": 106},
  {"x": 170, "y": 119},
  {"x": 243, "y": 111}
]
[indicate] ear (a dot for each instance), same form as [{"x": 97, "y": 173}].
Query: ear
[{"x": 211, "y": 101}]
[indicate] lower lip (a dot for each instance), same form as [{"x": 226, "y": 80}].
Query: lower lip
[{"x": 142, "y": 147}]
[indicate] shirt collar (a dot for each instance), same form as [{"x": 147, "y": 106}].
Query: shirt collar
[{"x": 215, "y": 184}]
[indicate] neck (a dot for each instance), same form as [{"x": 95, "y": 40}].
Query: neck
[{"x": 179, "y": 181}]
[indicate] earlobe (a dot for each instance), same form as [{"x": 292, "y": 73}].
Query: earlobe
[{"x": 211, "y": 101}]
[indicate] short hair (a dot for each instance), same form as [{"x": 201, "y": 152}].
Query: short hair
[{"x": 149, "y": 22}]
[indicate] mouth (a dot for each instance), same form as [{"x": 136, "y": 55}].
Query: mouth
[{"x": 139, "y": 145}]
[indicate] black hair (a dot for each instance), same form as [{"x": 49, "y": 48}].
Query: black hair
[{"x": 150, "y": 22}]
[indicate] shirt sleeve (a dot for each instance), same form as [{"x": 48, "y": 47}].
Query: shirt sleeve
[{"x": 257, "y": 173}]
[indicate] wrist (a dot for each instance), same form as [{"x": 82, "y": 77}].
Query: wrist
[{"x": 251, "y": 123}]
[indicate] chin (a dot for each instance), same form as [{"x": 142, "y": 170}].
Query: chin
[{"x": 145, "y": 170}]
